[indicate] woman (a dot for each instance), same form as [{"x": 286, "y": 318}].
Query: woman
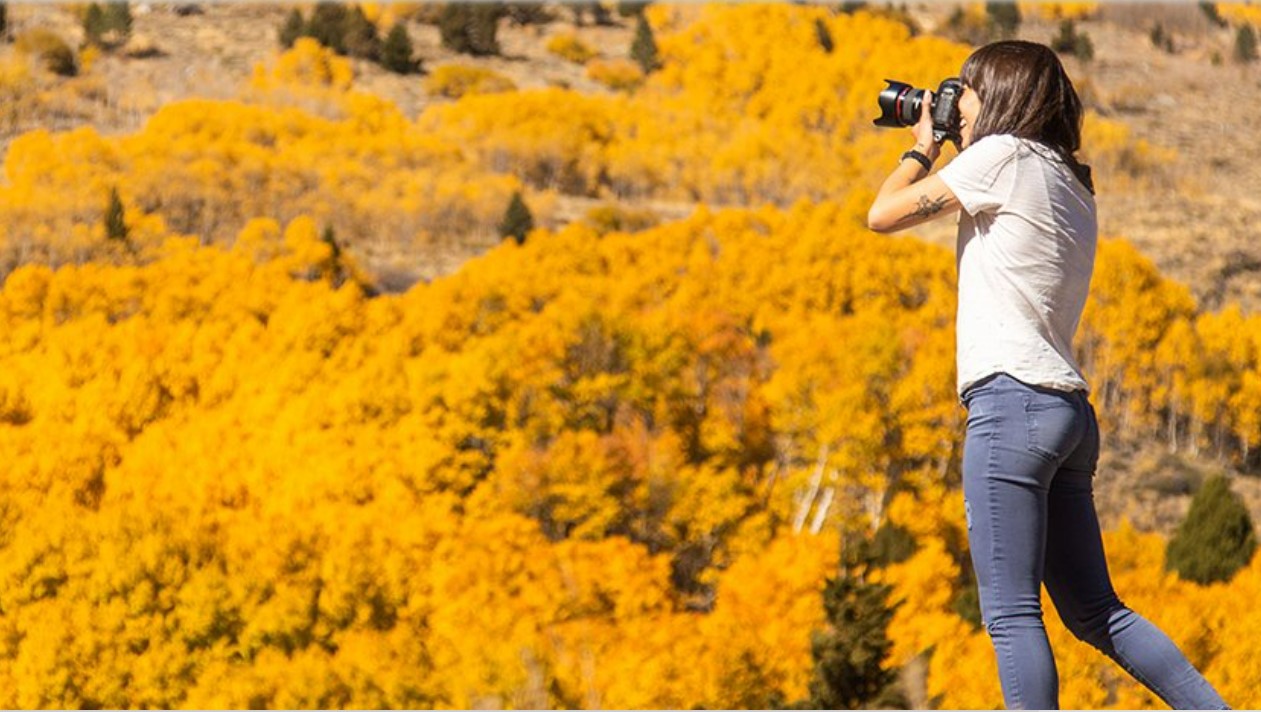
[{"x": 1025, "y": 252}]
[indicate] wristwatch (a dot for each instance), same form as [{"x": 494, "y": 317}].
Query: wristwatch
[{"x": 921, "y": 158}]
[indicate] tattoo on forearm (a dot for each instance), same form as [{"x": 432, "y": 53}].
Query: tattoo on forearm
[{"x": 926, "y": 208}]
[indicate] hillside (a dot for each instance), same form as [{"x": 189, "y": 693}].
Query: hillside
[
  {"x": 1195, "y": 217},
  {"x": 288, "y": 424},
  {"x": 1196, "y": 221}
]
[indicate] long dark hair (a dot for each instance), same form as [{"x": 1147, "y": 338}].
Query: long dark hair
[{"x": 1025, "y": 92}]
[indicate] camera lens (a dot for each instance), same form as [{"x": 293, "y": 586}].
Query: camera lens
[{"x": 900, "y": 105}]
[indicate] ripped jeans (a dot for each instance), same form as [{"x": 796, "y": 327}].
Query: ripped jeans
[{"x": 1028, "y": 462}]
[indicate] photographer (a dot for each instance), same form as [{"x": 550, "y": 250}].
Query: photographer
[{"x": 1025, "y": 253}]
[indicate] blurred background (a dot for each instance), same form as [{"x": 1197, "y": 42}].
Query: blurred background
[{"x": 497, "y": 355}]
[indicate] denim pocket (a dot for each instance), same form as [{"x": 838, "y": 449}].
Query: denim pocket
[{"x": 1049, "y": 424}]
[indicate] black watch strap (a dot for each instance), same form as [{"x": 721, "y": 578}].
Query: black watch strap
[{"x": 921, "y": 158}]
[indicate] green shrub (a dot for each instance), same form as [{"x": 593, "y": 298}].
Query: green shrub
[
  {"x": 471, "y": 28},
  {"x": 396, "y": 51},
  {"x": 1246, "y": 44},
  {"x": 1216, "y": 539}
]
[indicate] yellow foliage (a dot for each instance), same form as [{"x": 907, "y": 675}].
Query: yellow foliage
[
  {"x": 613, "y": 218},
  {"x": 1059, "y": 10},
  {"x": 306, "y": 64},
  {"x": 1238, "y": 13},
  {"x": 568, "y": 47},
  {"x": 624, "y": 451},
  {"x": 456, "y": 80},
  {"x": 618, "y": 74}
]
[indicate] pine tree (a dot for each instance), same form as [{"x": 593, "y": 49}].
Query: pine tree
[
  {"x": 849, "y": 652},
  {"x": 1005, "y": 17},
  {"x": 453, "y": 27},
  {"x": 527, "y": 13},
  {"x": 360, "y": 36},
  {"x": 891, "y": 544},
  {"x": 115, "y": 218},
  {"x": 293, "y": 28},
  {"x": 823, "y": 34},
  {"x": 517, "y": 222},
  {"x": 94, "y": 25},
  {"x": 1160, "y": 39},
  {"x": 1070, "y": 41},
  {"x": 631, "y": 8},
  {"x": 470, "y": 28},
  {"x": 644, "y": 47},
  {"x": 333, "y": 269},
  {"x": 483, "y": 28},
  {"x": 118, "y": 20},
  {"x": 599, "y": 14},
  {"x": 1216, "y": 539},
  {"x": 1246, "y": 44},
  {"x": 396, "y": 52},
  {"x": 1210, "y": 11},
  {"x": 328, "y": 26}
]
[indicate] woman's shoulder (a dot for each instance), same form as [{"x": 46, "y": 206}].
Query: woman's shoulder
[
  {"x": 987, "y": 154},
  {"x": 1000, "y": 144}
]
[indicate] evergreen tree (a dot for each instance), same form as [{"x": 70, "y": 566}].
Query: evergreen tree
[
  {"x": 118, "y": 20},
  {"x": 484, "y": 27},
  {"x": 527, "y": 13},
  {"x": 517, "y": 222},
  {"x": 333, "y": 269},
  {"x": 823, "y": 34},
  {"x": 599, "y": 13},
  {"x": 891, "y": 544},
  {"x": 1070, "y": 41},
  {"x": 631, "y": 8},
  {"x": 293, "y": 28},
  {"x": 470, "y": 28},
  {"x": 1210, "y": 11},
  {"x": 849, "y": 652},
  {"x": 396, "y": 52},
  {"x": 1005, "y": 17},
  {"x": 1246, "y": 44},
  {"x": 328, "y": 26},
  {"x": 359, "y": 35},
  {"x": 1162, "y": 40},
  {"x": 644, "y": 47},
  {"x": 453, "y": 27},
  {"x": 94, "y": 25},
  {"x": 115, "y": 223},
  {"x": 1216, "y": 539}
]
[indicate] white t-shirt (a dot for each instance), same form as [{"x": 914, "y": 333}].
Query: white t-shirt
[{"x": 1025, "y": 253}]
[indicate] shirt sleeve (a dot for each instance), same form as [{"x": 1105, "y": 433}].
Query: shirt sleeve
[{"x": 983, "y": 175}]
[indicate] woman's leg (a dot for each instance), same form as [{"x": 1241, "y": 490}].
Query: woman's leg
[
  {"x": 1077, "y": 579},
  {"x": 1005, "y": 485}
]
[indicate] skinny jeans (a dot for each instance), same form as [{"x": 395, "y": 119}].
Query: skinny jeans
[{"x": 1029, "y": 458}]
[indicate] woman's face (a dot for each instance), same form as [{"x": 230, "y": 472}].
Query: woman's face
[{"x": 969, "y": 109}]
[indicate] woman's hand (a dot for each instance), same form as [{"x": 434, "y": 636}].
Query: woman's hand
[
  {"x": 910, "y": 195},
  {"x": 923, "y": 130}
]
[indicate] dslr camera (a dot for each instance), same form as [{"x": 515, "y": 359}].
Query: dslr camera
[{"x": 901, "y": 105}]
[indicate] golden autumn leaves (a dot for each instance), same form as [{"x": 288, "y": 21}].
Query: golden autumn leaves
[{"x": 596, "y": 469}]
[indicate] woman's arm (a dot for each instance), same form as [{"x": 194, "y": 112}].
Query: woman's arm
[{"x": 909, "y": 196}]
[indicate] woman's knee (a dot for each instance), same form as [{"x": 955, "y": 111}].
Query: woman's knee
[{"x": 1097, "y": 630}]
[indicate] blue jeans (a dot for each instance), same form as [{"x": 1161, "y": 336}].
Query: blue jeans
[{"x": 1028, "y": 461}]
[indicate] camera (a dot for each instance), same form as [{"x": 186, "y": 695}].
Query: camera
[{"x": 901, "y": 104}]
